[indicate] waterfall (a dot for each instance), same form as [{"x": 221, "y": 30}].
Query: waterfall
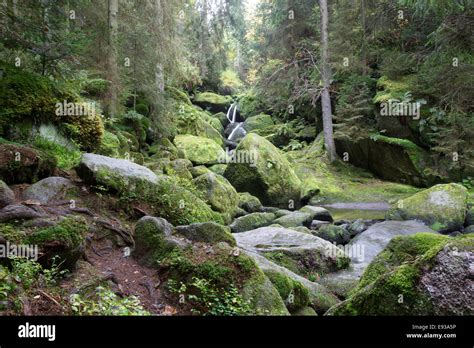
[{"x": 237, "y": 132}]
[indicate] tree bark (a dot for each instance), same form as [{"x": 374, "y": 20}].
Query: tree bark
[
  {"x": 364, "y": 46},
  {"x": 113, "y": 8},
  {"x": 326, "y": 77}
]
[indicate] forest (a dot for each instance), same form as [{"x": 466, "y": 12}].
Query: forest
[{"x": 236, "y": 157}]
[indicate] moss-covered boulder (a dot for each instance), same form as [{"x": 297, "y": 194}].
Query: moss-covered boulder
[
  {"x": 163, "y": 195},
  {"x": 301, "y": 253},
  {"x": 442, "y": 207},
  {"x": 192, "y": 121},
  {"x": 61, "y": 244},
  {"x": 333, "y": 234},
  {"x": 220, "y": 194},
  {"x": 199, "y": 170},
  {"x": 393, "y": 159},
  {"x": 249, "y": 203},
  {"x": 305, "y": 312},
  {"x": 320, "y": 299},
  {"x": 251, "y": 221},
  {"x": 270, "y": 176},
  {"x": 294, "y": 294},
  {"x": 421, "y": 274},
  {"x": 208, "y": 232},
  {"x": 164, "y": 148},
  {"x": 258, "y": 122},
  {"x": 22, "y": 164},
  {"x": 293, "y": 219},
  {"x": 153, "y": 239},
  {"x": 218, "y": 168},
  {"x": 51, "y": 189},
  {"x": 180, "y": 167},
  {"x": 7, "y": 196},
  {"x": 199, "y": 150},
  {"x": 213, "y": 102}
]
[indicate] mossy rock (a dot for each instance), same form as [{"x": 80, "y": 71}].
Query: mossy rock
[
  {"x": 218, "y": 169},
  {"x": 110, "y": 145},
  {"x": 442, "y": 207},
  {"x": 192, "y": 121},
  {"x": 6, "y": 195},
  {"x": 199, "y": 170},
  {"x": 258, "y": 122},
  {"x": 293, "y": 219},
  {"x": 220, "y": 194},
  {"x": 222, "y": 117},
  {"x": 421, "y": 274},
  {"x": 252, "y": 221},
  {"x": 249, "y": 203},
  {"x": 199, "y": 150},
  {"x": 270, "y": 177},
  {"x": 250, "y": 104},
  {"x": 178, "y": 95},
  {"x": 163, "y": 148},
  {"x": 22, "y": 164},
  {"x": 179, "y": 168},
  {"x": 61, "y": 244},
  {"x": 294, "y": 294},
  {"x": 208, "y": 232},
  {"x": 334, "y": 234},
  {"x": 389, "y": 158},
  {"x": 213, "y": 102}
]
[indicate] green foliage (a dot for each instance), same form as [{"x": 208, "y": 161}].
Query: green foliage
[
  {"x": 106, "y": 302},
  {"x": 66, "y": 158},
  {"x": 69, "y": 231},
  {"x": 208, "y": 299}
]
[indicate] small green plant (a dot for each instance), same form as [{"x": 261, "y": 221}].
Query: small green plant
[
  {"x": 67, "y": 158},
  {"x": 468, "y": 183},
  {"x": 106, "y": 302},
  {"x": 208, "y": 299}
]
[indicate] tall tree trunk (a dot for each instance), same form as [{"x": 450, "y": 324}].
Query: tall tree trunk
[
  {"x": 326, "y": 77},
  {"x": 364, "y": 40},
  {"x": 113, "y": 8}
]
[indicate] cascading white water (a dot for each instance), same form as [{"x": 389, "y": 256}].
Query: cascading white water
[{"x": 238, "y": 132}]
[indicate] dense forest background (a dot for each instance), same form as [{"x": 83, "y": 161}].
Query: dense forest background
[{"x": 128, "y": 56}]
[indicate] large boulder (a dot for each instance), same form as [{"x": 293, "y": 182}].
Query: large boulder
[
  {"x": 251, "y": 222},
  {"x": 158, "y": 195},
  {"x": 392, "y": 159},
  {"x": 442, "y": 207},
  {"x": 319, "y": 297},
  {"x": 363, "y": 249},
  {"x": 192, "y": 121},
  {"x": 208, "y": 232},
  {"x": 199, "y": 150},
  {"x": 270, "y": 177},
  {"x": 213, "y": 102},
  {"x": 301, "y": 253},
  {"x": 112, "y": 172},
  {"x": 295, "y": 218},
  {"x": 258, "y": 122},
  {"x": 18, "y": 212},
  {"x": 317, "y": 213},
  {"x": 220, "y": 194},
  {"x": 51, "y": 189},
  {"x": 334, "y": 234},
  {"x": 421, "y": 274},
  {"x": 7, "y": 196},
  {"x": 22, "y": 164},
  {"x": 249, "y": 203}
]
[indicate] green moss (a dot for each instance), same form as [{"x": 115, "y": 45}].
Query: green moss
[
  {"x": 12, "y": 233},
  {"x": 178, "y": 95},
  {"x": 212, "y": 98},
  {"x": 199, "y": 150},
  {"x": 66, "y": 158},
  {"x": 293, "y": 293},
  {"x": 392, "y": 89},
  {"x": 70, "y": 232}
]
